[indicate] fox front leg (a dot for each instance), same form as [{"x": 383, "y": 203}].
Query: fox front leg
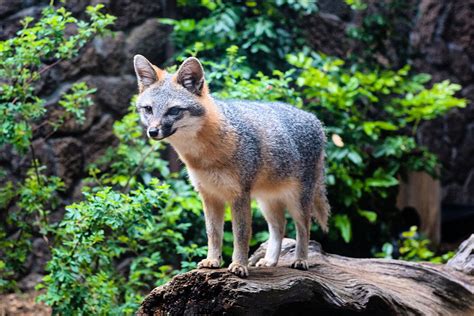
[
  {"x": 214, "y": 216},
  {"x": 242, "y": 230}
]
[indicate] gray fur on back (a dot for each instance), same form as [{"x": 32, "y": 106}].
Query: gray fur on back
[{"x": 287, "y": 140}]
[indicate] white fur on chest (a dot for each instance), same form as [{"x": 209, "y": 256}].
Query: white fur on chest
[{"x": 217, "y": 182}]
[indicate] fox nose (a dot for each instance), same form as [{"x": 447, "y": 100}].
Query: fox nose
[{"x": 153, "y": 132}]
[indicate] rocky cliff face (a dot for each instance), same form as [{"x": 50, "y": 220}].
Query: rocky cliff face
[
  {"x": 442, "y": 43},
  {"x": 105, "y": 64}
]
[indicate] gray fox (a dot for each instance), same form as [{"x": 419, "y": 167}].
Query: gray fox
[{"x": 235, "y": 151}]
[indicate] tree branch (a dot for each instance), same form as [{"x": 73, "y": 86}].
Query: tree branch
[{"x": 333, "y": 285}]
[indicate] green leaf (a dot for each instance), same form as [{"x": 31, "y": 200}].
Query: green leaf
[
  {"x": 343, "y": 223},
  {"x": 355, "y": 157},
  {"x": 369, "y": 215}
]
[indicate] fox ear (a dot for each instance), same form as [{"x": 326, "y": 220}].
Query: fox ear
[
  {"x": 191, "y": 75},
  {"x": 145, "y": 71}
]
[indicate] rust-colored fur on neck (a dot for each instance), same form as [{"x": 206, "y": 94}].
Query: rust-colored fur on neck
[{"x": 214, "y": 144}]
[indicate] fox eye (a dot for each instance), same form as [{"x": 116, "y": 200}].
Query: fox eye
[
  {"x": 148, "y": 109},
  {"x": 174, "y": 111}
]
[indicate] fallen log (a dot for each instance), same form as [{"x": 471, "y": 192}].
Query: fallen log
[{"x": 333, "y": 285}]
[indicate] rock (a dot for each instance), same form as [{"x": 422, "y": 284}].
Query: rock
[
  {"x": 68, "y": 159},
  {"x": 442, "y": 45},
  {"x": 29, "y": 282},
  {"x": 35, "y": 263},
  {"x": 103, "y": 56},
  {"x": 468, "y": 112},
  {"x": 9, "y": 6},
  {"x": 437, "y": 54},
  {"x": 326, "y": 33},
  {"x": 114, "y": 93},
  {"x": 131, "y": 12},
  {"x": 56, "y": 112},
  {"x": 86, "y": 62},
  {"x": 460, "y": 65},
  {"x": 23, "y": 304},
  {"x": 335, "y": 7},
  {"x": 455, "y": 127},
  {"x": 77, "y": 193},
  {"x": 41, "y": 252},
  {"x": 43, "y": 153},
  {"x": 10, "y": 25},
  {"x": 110, "y": 51},
  {"x": 459, "y": 25},
  {"x": 425, "y": 25},
  {"x": 464, "y": 161},
  {"x": 98, "y": 139},
  {"x": 148, "y": 39},
  {"x": 452, "y": 192},
  {"x": 431, "y": 134},
  {"x": 78, "y": 7}
]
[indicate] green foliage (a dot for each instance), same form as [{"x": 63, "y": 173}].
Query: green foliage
[
  {"x": 356, "y": 4},
  {"x": 383, "y": 33},
  {"x": 23, "y": 58},
  {"x": 143, "y": 227},
  {"x": 37, "y": 48},
  {"x": 343, "y": 224},
  {"x": 74, "y": 104},
  {"x": 413, "y": 247},
  {"x": 113, "y": 247},
  {"x": 230, "y": 81},
  {"x": 35, "y": 198},
  {"x": 371, "y": 118},
  {"x": 265, "y": 30}
]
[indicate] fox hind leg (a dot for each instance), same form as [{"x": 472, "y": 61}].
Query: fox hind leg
[
  {"x": 301, "y": 214},
  {"x": 274, "y": 213}
]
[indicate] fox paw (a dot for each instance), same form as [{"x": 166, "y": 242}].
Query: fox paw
[
  {"x": 209, "y": 263},
  {"x": 265, "y": 263},
  {"x": 238, "y": 269},
  {"x": 300, "y": 264}
]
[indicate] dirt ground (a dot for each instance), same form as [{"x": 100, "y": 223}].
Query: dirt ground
[{"x": 22, "y": 304}]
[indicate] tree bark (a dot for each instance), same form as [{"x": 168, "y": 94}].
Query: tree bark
[{"x": 333, "y": 285}]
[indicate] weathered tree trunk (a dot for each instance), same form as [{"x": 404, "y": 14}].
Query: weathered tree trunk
[
  {"x": 423, "y": 193},
  {"x": 333, "y": 285}
]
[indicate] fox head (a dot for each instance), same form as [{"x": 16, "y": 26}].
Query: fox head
[{"x": 170, "y": 104}]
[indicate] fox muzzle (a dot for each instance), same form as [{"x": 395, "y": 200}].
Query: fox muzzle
[{"x": 160, "y": 133}]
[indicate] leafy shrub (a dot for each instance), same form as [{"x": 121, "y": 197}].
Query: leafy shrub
[
  {"x": 25, "y": 58},
  {"x": 371, "y": 118},
  {"x": 265, "y": 30},
  {"x": 35, "y": 198},
  {"x": 142, "y": 228},
  {"x": 412, "y": 246},
  {"x": 132, "y": 232},
  {"x": 382, "y": 33}
]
